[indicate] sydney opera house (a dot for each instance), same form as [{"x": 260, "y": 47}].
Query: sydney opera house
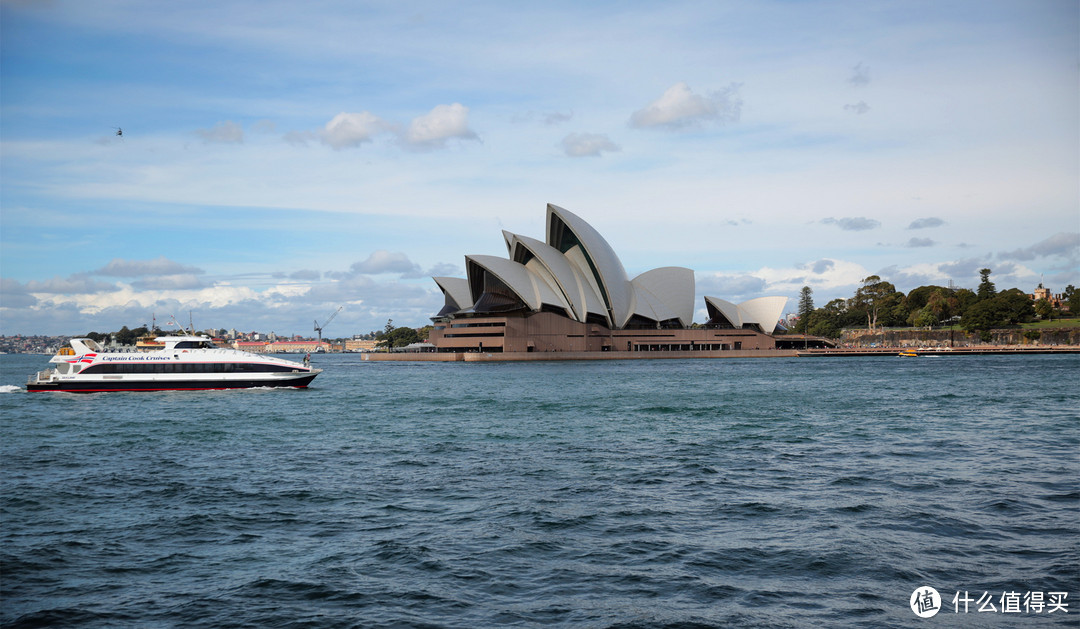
[{"x": 571, "y": 293}]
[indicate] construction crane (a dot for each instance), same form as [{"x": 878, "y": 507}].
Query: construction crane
[{"x": 319, "y": 328}]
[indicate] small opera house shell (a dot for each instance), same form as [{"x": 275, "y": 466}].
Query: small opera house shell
[{"x": 572, "y": 294}]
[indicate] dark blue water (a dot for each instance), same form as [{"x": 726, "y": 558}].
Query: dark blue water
[{"x": 737, "y": 492}]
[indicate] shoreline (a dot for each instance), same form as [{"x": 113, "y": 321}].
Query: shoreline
[{"x": 672, "y": 355}]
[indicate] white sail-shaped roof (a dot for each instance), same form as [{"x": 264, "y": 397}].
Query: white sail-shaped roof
[
  {"x": 668, "y": 292},
  {"x": 729, "y": 310},
  {"x": 764, "y": 311},
  {"x": 456, "y": 291},
  {"x": 547, "y": 262},
  {"x": 533, "y": 291},
  {"x": 594, "y": 256}
]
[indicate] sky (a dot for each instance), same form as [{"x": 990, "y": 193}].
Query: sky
[{"x": 280, "y": 160}]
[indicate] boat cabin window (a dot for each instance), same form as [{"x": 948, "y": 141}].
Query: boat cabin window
[
  {"x": 91, "y": 345},
  {"x": 195, "y": 345}
]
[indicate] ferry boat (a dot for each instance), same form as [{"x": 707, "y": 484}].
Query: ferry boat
[{"x": 186, "y": 363}]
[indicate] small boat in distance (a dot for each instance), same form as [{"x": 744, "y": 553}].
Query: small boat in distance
[
  {"x": 185, "y": 363},
  {"x": 908, "y": 353}
]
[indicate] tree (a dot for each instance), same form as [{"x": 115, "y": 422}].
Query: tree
[
  {"x": 965, "y": 298},
  {"x": 392, "y": 337},
  {"x": 125, "y": 336},
  {"x": 923, "y": 318},
  {"x": 986, "y": 287},
  {"x": 873, "y": 297},
  {"x": 1008, "y": 308},
  {"x": 385, "y": 338},
  {"x": 918, "y": 297},
  {"x": 806, "y": 307},
  {"x": 1072, "y": 300},
  {"x": 984, "y": 315},
  {"x": 400, "y": 337},
  {"x": 1044, "y": 309},
  {"x": 828, "y": 320},
  {"x": 1016, "y": 305}
]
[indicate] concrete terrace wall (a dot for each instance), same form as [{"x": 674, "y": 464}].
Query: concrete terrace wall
[{"x": 955, "y": 338}]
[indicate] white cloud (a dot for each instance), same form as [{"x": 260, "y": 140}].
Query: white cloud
[
  {"x": 386, "y": 262},
  {"x": 853, "y": 223},
  {"x": 81, "y": 283},
  {"x": 835, "y": 277},
  {"x": 557, "y": 117},
  {"x": 858, "y": 108},
  {"x": 819, "y": 267},
  {"x": 923, "y": 223},
  {"x": 305, "y": 274},
  {"x": 587, "y": 145},
  {"x": 300, "y": 138},
  {"x": 729, "y": 286},
  {"x": 442, "y": 123},
  {"x": 680, "y": 107},
  {"x": 14, "y": 296},
  {"x": 920, "y": 242},
  {"x": 119, "y": 267},
  {"x": 182, "y": 281},
  {"x": 860, "y": 75},
  {"x": 227, "y": 132},
  {"x": 1062, "y": 244},
  {"x": 347, "y": 130}
]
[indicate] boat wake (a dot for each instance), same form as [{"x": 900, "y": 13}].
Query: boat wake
[{"x": 10, "y": 388}]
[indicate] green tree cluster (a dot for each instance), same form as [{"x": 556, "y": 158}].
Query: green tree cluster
[
  {"x": 877, "y": 303},
  {"x": 391, "y": 337},
  {"x": 1010, "y": 307},
  {"x": 1071, "y": 296},
  {"x": 122, "y": 337},
  {"x": 806, "y": 307}
]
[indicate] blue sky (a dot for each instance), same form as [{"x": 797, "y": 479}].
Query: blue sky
[{"x": 281, "y": 159}]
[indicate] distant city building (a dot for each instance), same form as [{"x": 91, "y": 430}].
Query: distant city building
[
  {"x": 1056, "y": 300},
  {"x": 255, "y": 347},
  {"x": 360, "y": 345},
  {"x": 298, "y": 347},
  {"x": 572, "y": 293}
]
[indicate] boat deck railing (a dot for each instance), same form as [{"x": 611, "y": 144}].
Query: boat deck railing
[{"x": 41, "y": 376}]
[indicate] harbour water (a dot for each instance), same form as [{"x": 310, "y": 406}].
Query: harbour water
[{"x": 711, "y": 493}]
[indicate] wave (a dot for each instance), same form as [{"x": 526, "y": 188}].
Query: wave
[{"x": 10, "y": 388}]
